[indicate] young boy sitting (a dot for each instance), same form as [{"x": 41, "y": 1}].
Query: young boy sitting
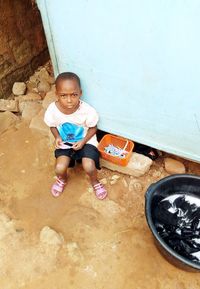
[{"x": 73, "y": 124}]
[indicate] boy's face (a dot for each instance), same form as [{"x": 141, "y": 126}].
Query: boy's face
[{"x": 68, "y": 93}]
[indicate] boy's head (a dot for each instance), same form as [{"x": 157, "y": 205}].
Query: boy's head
[
  {"x": 68, "y": 76},
  {"x": 68, "y": 90}
]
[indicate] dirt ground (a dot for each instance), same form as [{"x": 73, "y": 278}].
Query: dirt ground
[{"x": 105, "y": 245}]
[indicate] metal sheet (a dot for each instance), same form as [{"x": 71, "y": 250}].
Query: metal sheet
[{"x": 139, "y": 63}]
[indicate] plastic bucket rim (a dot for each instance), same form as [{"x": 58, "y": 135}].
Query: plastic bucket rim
[{"x": 152, "y": 226}]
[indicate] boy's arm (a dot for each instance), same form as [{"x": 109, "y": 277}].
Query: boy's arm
[
  {"x": 58, "y": 139},
  {"x": 91, "y": 131},
  {"x": 54, "y": 132}
]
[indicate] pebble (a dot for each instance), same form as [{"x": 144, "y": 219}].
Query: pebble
[
  {"x": 74, "y": 251},
  {"x": 90, "y": 190},
  {"x": 125, "y": 183},
  {"x": 115, "y": 177},
  {"x": 19, "y": 88},
  {"x": 50, "y": 237},
  {"x": 113, "y": 182},
  {"x": 135, "y": 185},
  {"x": 103, "y": 181}
]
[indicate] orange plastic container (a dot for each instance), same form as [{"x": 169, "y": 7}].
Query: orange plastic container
[{"x": 117, "y": 141}]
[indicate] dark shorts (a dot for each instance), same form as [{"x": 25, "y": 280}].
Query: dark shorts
[{"x": 88, "y": 151}]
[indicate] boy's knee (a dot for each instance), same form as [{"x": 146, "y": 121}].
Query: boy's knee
[
  {"x": 89, "y": 166},
  {"x": 60, "y": 169}
]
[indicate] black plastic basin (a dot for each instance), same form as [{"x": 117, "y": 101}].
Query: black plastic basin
[{"x": 165, "y": 187}]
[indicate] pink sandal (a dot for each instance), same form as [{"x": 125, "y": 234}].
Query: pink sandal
[
  {"x": 58, "y": 187},
  {"x": 100, "y": 191}
]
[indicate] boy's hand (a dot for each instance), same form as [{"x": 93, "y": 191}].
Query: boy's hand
[
  {"x": 58, "y": 142},
  {"x": 78, "y": 145}
]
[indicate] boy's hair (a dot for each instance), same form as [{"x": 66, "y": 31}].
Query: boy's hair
[{"x": 67, "y": 76}]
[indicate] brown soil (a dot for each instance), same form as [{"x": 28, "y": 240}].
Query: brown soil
[{"x": 107, "y": 244}]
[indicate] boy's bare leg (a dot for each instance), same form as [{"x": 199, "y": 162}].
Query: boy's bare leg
[
  {"x": 62, "y": 163},
  {"x": 90, "y": 169}
]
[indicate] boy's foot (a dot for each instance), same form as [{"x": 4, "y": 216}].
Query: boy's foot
[
  {"x": 100, "y": 191},
  {"x": 58, "y": 187}
]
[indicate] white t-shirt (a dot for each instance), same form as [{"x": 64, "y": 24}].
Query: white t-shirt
[{"x": 73, "y": 127}]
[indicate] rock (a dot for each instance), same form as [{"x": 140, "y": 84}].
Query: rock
[
  {"x": 173, "y": 166},
  {"x": 34, "y": 78},
  {"x": 135, "y": 185},
  {"x": 49, "y": 98},
  {"x": 156, "y": 173},
  {"x": 24, "y": 99},
  {"x": 19, "y": 88},
  {"x": 43, "y": 86},
  {"x": 9, "y": 105},
  {"x": 125, "y": 183},
  {"x": 137, "y": 166},
  {"x": 49, "y": 67},
  {"x": 74, "y": 252},
  {"x": 51, "y": 80},
  {"x": 7, "y": 119},
  {"x": 44, "y": 75},
  {"x": 115, "y": 177},
  {"x": 113, "y": 182},
  {"x": 53, "y": 88},
  {"x": 38, "y": 123},
  {"x": 31, "y": 86},
  {"x": 30, "y": 110},
  {"x": 90, "y": 190},
  {"x": 103, "y": 181},
  {"x": 51, "y": 237},
  {"x": 31, "y": 96}
]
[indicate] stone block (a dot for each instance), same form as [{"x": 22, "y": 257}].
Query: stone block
[
  {"x": 49, "y": 98},
  {"x": 31, "y": 86},
  {"x": 51, "y": 80},
  {"x": 43, "y": 86},
  {"x": 43, "y": 74},
  {"x": 28, "y": 98},
  {"x": 19, "y": 88},
  {"x": 31, "y": 96},
  {"x": 30, "y": 110},
  {"x": 137, "y": 166},
  {"x": 7, "y": 119},
  {"x": 51, "y": 237},
  {"x": 173, "y": 166},
  {"x": 9, "y": 105},
  {"x": 38, "y": 123}
]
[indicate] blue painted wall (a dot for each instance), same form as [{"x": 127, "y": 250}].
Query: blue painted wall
[{"x": 139, "y": 62}]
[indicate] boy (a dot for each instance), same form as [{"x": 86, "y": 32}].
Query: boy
[{"x": 73, "y": 124}]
